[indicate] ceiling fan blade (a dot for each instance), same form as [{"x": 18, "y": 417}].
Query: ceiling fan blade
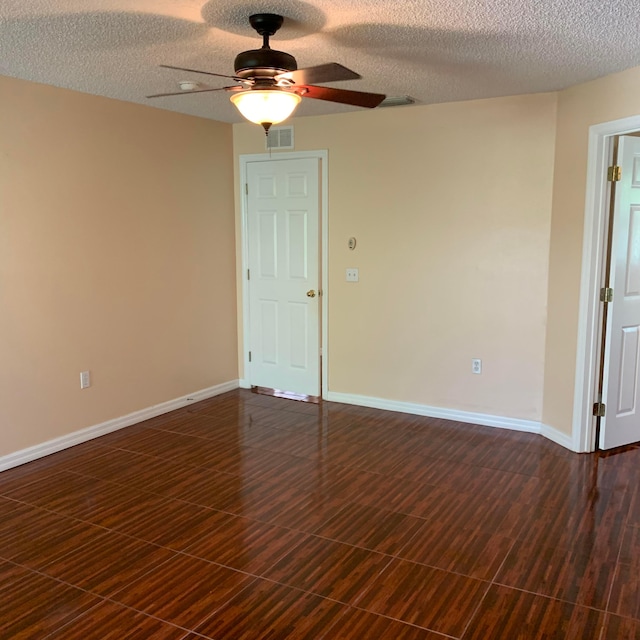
[
  {"x": 331, "y": 72},
  {"x": 207, "y": 73},
  {"x": 344, "y": 96},
  {"x": 184, "y": 93}
]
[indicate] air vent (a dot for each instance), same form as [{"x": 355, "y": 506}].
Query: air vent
[
  {"x": 396, "y": 101},
  {"x": 280, "y": 138}
]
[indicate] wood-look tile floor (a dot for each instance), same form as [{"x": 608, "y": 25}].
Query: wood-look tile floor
[{"x": 250, "y": 517}]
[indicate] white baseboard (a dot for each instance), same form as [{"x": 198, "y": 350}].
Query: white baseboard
[
  {"x": 83, "y": 435},
  {"x": 516, "y": 424},
  {"x": 560, "y": 438}
]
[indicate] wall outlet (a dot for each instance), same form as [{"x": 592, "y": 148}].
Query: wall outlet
[
  {"x": 352, "y": 275},
  {"x": 476, "y": 366},
  {"x": 85, "y": 380}
]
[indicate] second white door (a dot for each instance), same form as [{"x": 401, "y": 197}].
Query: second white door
[
  {"x": 284, "y": 301},
  {"x": 621, "y": 383}
]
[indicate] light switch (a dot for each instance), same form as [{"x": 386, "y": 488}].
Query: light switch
[{"x": 352, "y": 275}]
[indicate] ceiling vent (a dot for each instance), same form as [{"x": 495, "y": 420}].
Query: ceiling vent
[
  {"x": 396, "y": 101},
  {"x": 280, "y": 138}
]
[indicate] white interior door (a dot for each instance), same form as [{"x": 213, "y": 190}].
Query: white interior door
[
  {"x": 621, "y": 388},
  {"x": 283, "y": 203}
]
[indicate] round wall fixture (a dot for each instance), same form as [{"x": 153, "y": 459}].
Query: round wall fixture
[{"x": 352, "y": 243}]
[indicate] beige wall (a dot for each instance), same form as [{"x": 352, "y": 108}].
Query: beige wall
[
  {"x": 451, "y": 207},
  {"x": 116, "y": 255},
  {"x": 615, "y": 96}
]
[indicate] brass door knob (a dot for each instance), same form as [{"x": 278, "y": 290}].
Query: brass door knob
[{"x": 311, "y": 293}]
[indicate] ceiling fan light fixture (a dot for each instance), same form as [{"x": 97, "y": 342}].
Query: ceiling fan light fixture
[{"x": 266, "y": 106}]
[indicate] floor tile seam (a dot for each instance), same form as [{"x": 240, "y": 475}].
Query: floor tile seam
[
  {"x": 151, "y": 455},
  {"x": 149, "y": 615},
  {"x": 115, "y": 482},
  {"x": 39, "y": 479},
  {"x": 569, "y": 547},
  {"x": 161, "y": 546},
  {"x": 617, "y": 569},
  {"x": 289, "y": 409},
  {"x": 166, "y": 498},
  {"x": 10, "y": 583},
  {"x": 514, "y": 542},
  {"x": 393, "y": 556},
  {"x": 138, "y": 578},
  {"x": 313, "y": 454},
  {"x": 240, "y": 515},
  {"x": 336, "y": 622},
  {"x": 476, "y": 610},
  {"x": 59, "y": 513},
  {"x": 522, "y": 474},
  {"x": 110, "y": 450},
  {"x": 44, "y": 472},
  {"x": 402, "y": 512},
  {"x": 61, "y": 557},
  {"x": 609, "y": 610},
  {"x": 185, "y": 435},
  {"x": 75, "y": 517},
  {"x": 223, "y": 604},
  {"x": 135, "y": 486},
  {"x": 389, "y": 511},
  {"x": 548, "y": 597},
  {"x": 440, "y": 569},
  {"x": 312, "y": 532},
  {"x": 404, "y": 546},
  {"x": 151, "y": 567},
  {"x": 386, "y": 568},
  {"x": 186, "y": 552},
  {"x": 261, "y": 475},
  {"x": 315, "y": 593},
  {"x": 624, "y": 616},
  {"x": 70, "y": 622},
  {"x": 58, "y": 580},
  {"x": 105, "y": 531}
]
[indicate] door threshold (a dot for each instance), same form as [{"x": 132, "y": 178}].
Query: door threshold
[{"x": 288, "y": 395}]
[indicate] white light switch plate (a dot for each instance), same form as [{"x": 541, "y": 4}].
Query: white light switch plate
[
  {"x": 352, "y": 275},
  {"x": 85, "y": 379}
]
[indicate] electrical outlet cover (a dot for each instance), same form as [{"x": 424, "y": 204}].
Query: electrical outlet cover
[{"x": 353, "y": 275}]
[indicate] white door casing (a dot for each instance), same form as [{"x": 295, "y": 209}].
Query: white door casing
[
  {"x": 282, "y": 210},
  {"x": 621, "y": 382}
]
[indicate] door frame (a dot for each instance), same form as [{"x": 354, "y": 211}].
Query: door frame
[
  {"x": 322, "y": 156},
  {"x": 593, "y": 264}
]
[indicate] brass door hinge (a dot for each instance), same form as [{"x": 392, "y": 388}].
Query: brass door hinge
[
  {"x": 614, "y": 173},
  {"x": 599, "y": 409},
  {"x": 606, "y": 294}
]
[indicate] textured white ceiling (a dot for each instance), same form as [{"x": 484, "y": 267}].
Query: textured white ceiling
[{"x": 432, "y": 50}]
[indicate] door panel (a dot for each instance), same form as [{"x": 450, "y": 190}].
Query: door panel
[
  {"x": 628, "y": 371},
  {"x": 283, "y": 230},
  {"x": 633, "y": 254},
  {"x": 621, "y": 382},
  {"x": 268, "y": 244}
]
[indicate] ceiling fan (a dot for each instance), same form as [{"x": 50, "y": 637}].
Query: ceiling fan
[{"x": 269, "y": 84}]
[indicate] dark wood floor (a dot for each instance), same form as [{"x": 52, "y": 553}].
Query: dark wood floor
[{"x": 250, "y": 517}]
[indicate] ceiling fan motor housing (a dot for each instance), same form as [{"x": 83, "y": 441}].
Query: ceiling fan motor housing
[{"x": 263, "y": 62}]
